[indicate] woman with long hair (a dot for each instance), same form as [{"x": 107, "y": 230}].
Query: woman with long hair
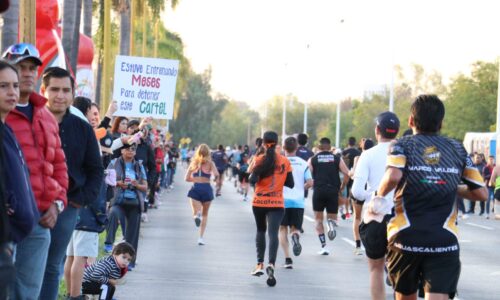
[
  {"x": 119, "y": 127},
  {"x": 270, "y": 171},
  {"x": 201, "y": 194}
]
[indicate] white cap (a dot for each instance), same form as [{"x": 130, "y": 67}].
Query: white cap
[{"x": 376, "y": 209}]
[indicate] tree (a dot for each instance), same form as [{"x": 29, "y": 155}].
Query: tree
[
  {"x": 125, "y": 25},
  {"x": 72, "y": 10},
  {"x": 10, "y": 25},
  {"x": 471, "y": 101},
  {"x": 87, "y": 17}
]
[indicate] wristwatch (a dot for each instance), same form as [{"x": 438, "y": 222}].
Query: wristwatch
[{"x": 59, "y": 205}]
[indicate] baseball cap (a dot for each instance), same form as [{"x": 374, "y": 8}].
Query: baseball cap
[
  {"x": 4, "y": 5},
  {"x": 388, "y": 122},
  {"x": 19, "y": 52}
]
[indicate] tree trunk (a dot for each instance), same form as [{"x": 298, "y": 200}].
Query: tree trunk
[
  {"x": 10, "y": 25},
  {"x": 76, "y": 36},
  {"x": 98, "y": 85},
  {"x": 125, "y": 27},
  {"x": 87, "y": 17}
]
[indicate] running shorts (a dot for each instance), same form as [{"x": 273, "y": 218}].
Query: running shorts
[
  {"x": 201, "y": 192},
  {"x": 326, "y": 198},
  {"x": 374, "y": 238},
  {"x": 438, "y": 274},
  {"x": 243, "y": 176},
  {"x": 293, "y": 217},
  {"x": 497, "y": 195}
]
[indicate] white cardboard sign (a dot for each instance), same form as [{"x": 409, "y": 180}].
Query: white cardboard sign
[{"x": 145, "y": 87}]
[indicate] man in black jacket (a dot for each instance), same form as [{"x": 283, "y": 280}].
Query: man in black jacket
[{"x": 85, "y": 172}]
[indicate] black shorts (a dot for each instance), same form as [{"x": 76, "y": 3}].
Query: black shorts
[
  {"x": 439, "y": 274},
  {"x": 243, "y": 177},
  {"x": 293, "y": 217},
  {"x": 326, "y": 198},
  {"x": 374, "y": 238}
]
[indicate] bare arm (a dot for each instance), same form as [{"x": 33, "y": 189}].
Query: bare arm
[
  {"x": 215, "y": 172},
  {"x": 308, "y": 184},
  {"x": 493, "y": 177},
  {"x": 345, "y": 171},
  {"x": 480, "y": 194}
]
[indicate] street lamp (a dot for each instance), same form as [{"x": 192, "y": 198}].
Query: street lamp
[{"x": 337, "y": 127}]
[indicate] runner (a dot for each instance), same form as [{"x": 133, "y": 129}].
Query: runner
[
  {"x": 349, "y": 154},
  {"x": 294, "y": 201},
  {"x": 426, "y": 170},
  {"x": 358, "y": 205},
  {"x": 325, "y": 168},
  {"x": 370, "y": 169},
  {"x": 220, "y": 159},
  {"x": 235, "y": 159},
  {"x": 201, "y": 194},
  {"x": 242, "y": 169},
  {"x": 270, "y": 172}
]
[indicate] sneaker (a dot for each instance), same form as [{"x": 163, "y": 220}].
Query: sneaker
[
  {"x": 288, "y": 263},
  {"x": 144, "y": 218},
  {"x": 259, "y": 270},
  {"x": 331, "y": 229},
  {"x": 323, "y": 251},
  {"x": 108, "y": 248},
  {"x": 297, "y": 248},
  {"x": 465, "y": 216},
  {"x": 201, "y": 242},
  {"x": 271, "y": 281},
  {"x": 245, "y": 198},
  {"x": 197, "y": 220},
  {"x": 358, "y": 251}
]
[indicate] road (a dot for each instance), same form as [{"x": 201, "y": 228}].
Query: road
[{"x": 171, "y": 265}]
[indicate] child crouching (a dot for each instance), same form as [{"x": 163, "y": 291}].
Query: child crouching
[{"x": 108, "y": 271}]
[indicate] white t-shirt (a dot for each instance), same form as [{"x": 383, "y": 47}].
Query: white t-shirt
[
  {"x": 369, "y": 171},
  {"x": 294, "y": 198}
]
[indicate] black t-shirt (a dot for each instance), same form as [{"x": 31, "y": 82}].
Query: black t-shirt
[
  {"x": 425, "y": 209},
  {"x": 349, "y": 154},
  {"x": 325, "y": 170},
  {"x": 27, "y": 111}
]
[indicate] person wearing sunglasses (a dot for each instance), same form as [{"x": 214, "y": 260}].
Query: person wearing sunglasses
[{"x": 38, "y": 135}]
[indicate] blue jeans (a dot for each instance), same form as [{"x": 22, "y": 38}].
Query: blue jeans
[
  {"x": 60, "y": 236},
  {"x": 30, "y": 260},
  {"x": 491, "y": 196}
]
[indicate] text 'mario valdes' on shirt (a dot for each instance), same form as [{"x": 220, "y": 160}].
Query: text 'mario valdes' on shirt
[{"x": 425, "y": 198}]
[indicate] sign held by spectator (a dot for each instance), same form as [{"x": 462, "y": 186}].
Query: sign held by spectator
[{"x": 145, "y": 87}]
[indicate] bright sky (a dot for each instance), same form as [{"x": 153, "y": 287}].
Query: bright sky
[{"x": 258, "y": 48}]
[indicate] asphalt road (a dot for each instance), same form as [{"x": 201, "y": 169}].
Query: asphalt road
[{"x": 171, "y": 265}]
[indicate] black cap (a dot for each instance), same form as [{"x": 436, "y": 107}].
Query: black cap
[
  {"x": 4, "y": 5},
  {"x": 388, "y": 123}
]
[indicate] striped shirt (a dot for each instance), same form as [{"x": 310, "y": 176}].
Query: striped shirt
[{"x": 102, "y": 271}]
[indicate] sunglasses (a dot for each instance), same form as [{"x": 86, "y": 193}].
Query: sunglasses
[
  {"x": 131, "y": 149},
  {"x": 23, "y": 49}
]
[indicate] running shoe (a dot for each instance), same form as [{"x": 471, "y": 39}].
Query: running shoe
[
  {"x": 332, "y": 233},
  {"x": 288, "y": 263},
  {"x": 259, "y": 270},
  {"x": 358, "y": 251},
  {"x": 271, "y": 281},
  {"x": 297, "y": 248},
  {"x": 197, "y": 220},
  {"x": 201, "y": 242},
  {"x": 324, "y": 251}
]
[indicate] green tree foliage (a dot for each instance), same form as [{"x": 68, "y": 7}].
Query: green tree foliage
[{"x": 471, "y": 101}]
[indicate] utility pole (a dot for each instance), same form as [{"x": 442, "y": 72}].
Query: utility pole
[
  {"x": 283, "y": 130},
  {"x": 27, "y": 21},
  {"x": 305, "y": 117},
  {"x": 337, "y": 127}
]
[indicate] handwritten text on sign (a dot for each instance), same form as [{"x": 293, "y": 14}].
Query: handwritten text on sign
[{"x": 145, "y": 87}]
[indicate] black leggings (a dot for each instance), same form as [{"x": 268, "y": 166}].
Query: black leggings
[{"x": 263, "y": 217}]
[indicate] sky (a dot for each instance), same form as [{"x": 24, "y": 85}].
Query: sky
[{"x": 327, "y": 50}]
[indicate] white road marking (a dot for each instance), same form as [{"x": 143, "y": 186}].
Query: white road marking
[
  {"x": 465, "y": 241},
  {"x": 352, "y": 243},
  {"x": 479, "y": 226},
  {"x": 309, "y": 218}
]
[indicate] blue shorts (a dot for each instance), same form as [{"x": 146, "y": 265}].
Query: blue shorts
[{"x": 201, "y": 192}]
